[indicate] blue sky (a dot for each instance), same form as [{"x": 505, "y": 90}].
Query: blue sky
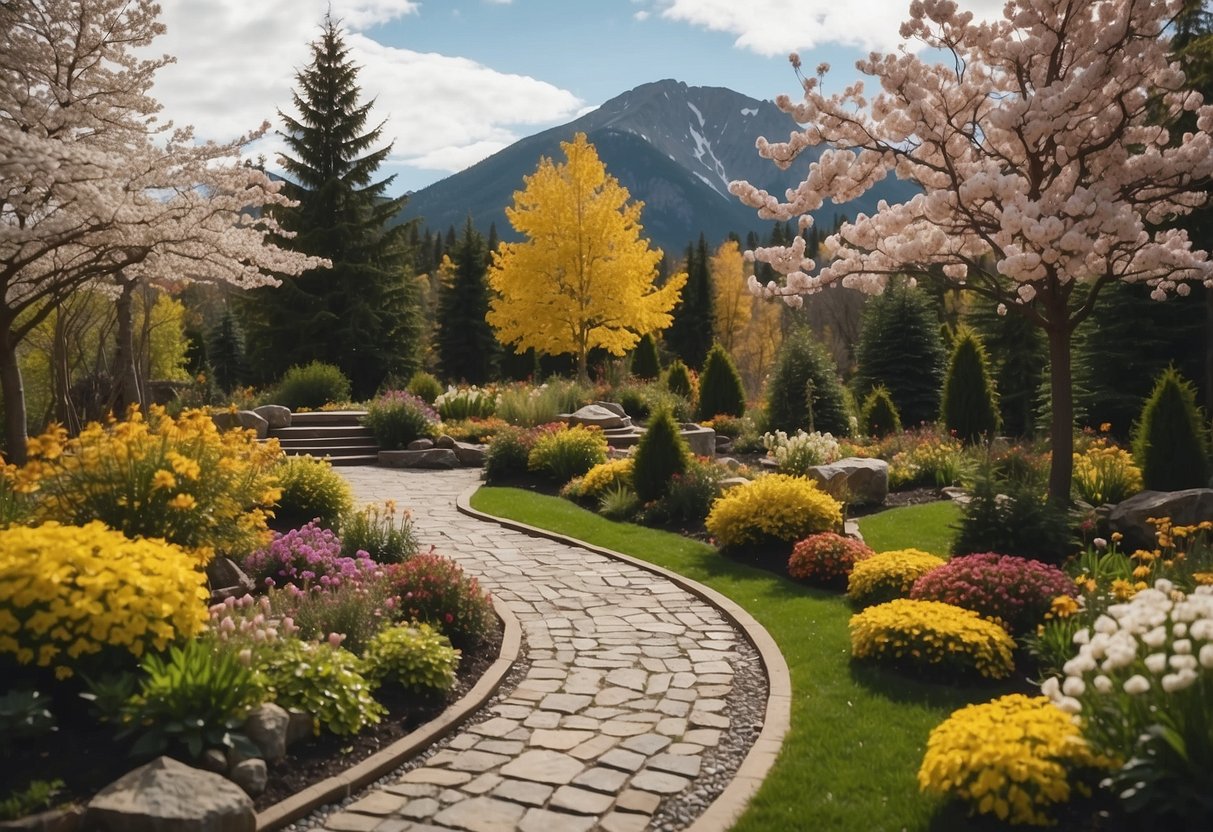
[{"x": 457, "y": 80}]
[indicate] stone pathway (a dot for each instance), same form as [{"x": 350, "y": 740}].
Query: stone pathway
[{"x": 625, "y": 693}]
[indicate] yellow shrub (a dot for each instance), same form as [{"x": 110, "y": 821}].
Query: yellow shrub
[
  {"x": 602, "y": 478},
  {"x": 1105, "y": 473},
  {"x": 1013, "y": 758},
  {"x": 177, "y": 479},
  {"x": 69, "y": 591},
  {"x": 889, "y": 575},
  {"x": 918, "y": 635},
  {"x": 772, "y": 508}
]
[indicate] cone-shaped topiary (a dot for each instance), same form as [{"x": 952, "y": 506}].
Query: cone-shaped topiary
[
  {"x": 804, "y": 364},
  {"x": 879, "y": 416},
  {"x": 660, "y": 454},
  {"x": 645, "y": 361},
  {"x": 1169, "y": 442},
  {"x": 970, "y": 403},
  {"x": 678, "y": 380},
  {"x": 720, "y": 389}
]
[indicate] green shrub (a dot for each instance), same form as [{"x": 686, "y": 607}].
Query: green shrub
[
  {"x": 1170, "y": 441},
  {"x": 352, "y": 611},
  {"x": 775, "y": 508},
  {"x": 397, "y": 418},
  {"x": 417, "y": 658},
  {"x": 678, "y": 380},
  {"x": 424, "y": 386},
  {"x": 1017, "y": 521},
  {"x": 322, "y": 680},
  {"x": 23, "y": 715},
  {"x": 619, "y": 502},
  {"x": 529, "y": 406},
  {"x": 970, "y": 403},
  {"x": 640, "y": 401},
  {"x": 878, "y": 416},
  {"x": 563, "y": 454},
  {"x": 660, "y": 454},
  {"x": 37, "y": 796},
  {"x": 888, "y": 575},
  {"x": 435, "y": 590},
  {"x": 466, "y": 403},
  {"x": 507, "y": 454},
  {"x": 720, "y": 388},
  {"x": 600, "y": 479},
  {"x": 195, "y": 698},
  {"x": 383, "y": 532},
  {"x": 311, "y": 489},
  {"x": 691, "y": 493},
  {"x": 646, "y": 363},
  {"x": 804, "y": 365},
  {"x": 311, "y": 386}
]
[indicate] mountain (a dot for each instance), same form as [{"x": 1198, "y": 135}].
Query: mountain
[{"x": 674, "y": 147}]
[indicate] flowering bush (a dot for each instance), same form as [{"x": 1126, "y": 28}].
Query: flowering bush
[
  {"x": 613, "y": 473},
  {"x": 922, "y": 635},
  {"x": 305, "y": 556},
  {"x": 398, "y": 417},
  {"x": 177, "y": 479},
  {"x": 923, "y": 457},
  {"x": 1142, "y": 682},
  {"x": 796, "y": 454},
  {"x": 690, "y": 494},
  {"x": 774, "y": 508},
  {"x": 68, "y": 592},
  {"x": 1105, "y": 473},
  {"x": 416, "y": 658},
  {"x": 433, "y": 589},
  {"x": 889, "y": 575},
  {"x": 247, "y": 621},
  {"x": 311, "y": 489},
  {"x": 382, "y": 532},
  {"x": 826, "y": 559},
  {"x": 507, "y": 454},
  {"x": 1017, "y": 591},
  {"x": 466, "y": 403},
  {"x": 566, "y": 453},
  {"x": 320, "y": 679},
  {"x": 1013, "y": 758},
  {"x": 349, "y": 613},
  {"x": 17, "y": 487},
  {"x": 479, "y": 431}
]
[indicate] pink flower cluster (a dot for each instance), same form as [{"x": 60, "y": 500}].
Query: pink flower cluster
[
  {"x": 826, "y": 559},
  {"x": 1018, "y": 591},
  {"x": 433, "y": 589},
  {"x": 309, "y": 556}
]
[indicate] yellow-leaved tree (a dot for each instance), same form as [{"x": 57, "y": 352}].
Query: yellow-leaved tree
[
  {"x": 584, "y": 277},
  {"x": 733, "y": 296}
]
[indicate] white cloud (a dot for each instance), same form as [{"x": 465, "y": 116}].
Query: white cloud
[
  {"x": 236, "y": 65},
  {"x": 777, "y": 27},
  {"x": 643, "y": 14}
]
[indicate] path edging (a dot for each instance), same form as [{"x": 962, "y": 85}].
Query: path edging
[
  {"x": 730, "y": 803},
  {"x": 341, "y": 786}
]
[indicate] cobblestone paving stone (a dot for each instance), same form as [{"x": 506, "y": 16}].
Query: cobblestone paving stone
[{"x": 623, "y": 696}]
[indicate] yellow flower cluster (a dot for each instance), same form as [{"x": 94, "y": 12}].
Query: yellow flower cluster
[
  {"x": 1105, "y": 473},
  {"x": 918, "y": 634},
  {"x": 71, "y": 591},
  {"x": 1012, "y": 758},
  {"x": 601, "y": 478},
  {"x": 177, "y": 479},
  {"x": 889, "y": 575},
  {"x": 773, "y": 507}
]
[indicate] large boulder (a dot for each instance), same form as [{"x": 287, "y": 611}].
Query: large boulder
[
  {"x": 856, "y": 480},
  {"x": 614, "y": 407},
  {"x": 439, "y": 458},
  {"x": 701, "y": 440},
  {"x": 168, "y": 796},
  {"x": 1185, "y": 508},
  {"x": 233, "y": 419},
  {"x": 267, "y": 725},
  {"x": 470, "y": 456},
  {"x": 597, "y": 416},
  {"x": 275, "y": 415}
]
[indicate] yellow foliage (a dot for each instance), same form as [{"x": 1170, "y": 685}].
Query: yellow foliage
[
  {"x": 774, "y": 507},
  {"x": 733, "y": 306},
  {"x": 584, "y": 277},
  {"x": 931, "y": 634},
  {"x": 889, "y": 575}
]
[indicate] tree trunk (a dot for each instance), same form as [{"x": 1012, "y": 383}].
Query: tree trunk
[
  {"x": 1061, "y": 430},
  {"x": 1209, "y": 349},
  {"x": 124, "y": 359},
  {"x": 14, "y": 400}
]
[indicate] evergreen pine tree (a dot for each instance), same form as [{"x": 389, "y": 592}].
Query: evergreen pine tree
[
  {"x": 467, "y": 347},
  {"x": 678, "y": 380},
  {"x": 646, "y": 363},
  {"x": 1170, "y": 441},
  {"x": 690, "y": 335},
  {"x": 356, "y": 315},
  {"x": 900, "y": 347},
  {"x": 879, "y": 416},
  {"x": 804, "y": 392},
  {"x": 225, "y": 352},
  {"x": 970, "y": 403},
  {"x": 660, "y": 454},
  {"x": 720, "y": 389},
  {"x": 1019, "y": 356}
]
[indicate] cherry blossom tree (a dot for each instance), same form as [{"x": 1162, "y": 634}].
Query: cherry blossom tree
[
  {"x": 94, "y": 189},
  {"x": 1044, "y": 148}
]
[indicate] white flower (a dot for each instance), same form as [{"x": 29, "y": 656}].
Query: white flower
[
  {"x": 1051, "y": 687},
  {"x": 1206, "y": 656},
  {"x": 1155, "y": 638},
  {"x": 1069, "y": 705},
  {"x": 1102, "y": 684},
  {"x": 1183, "y": 646},
  {"x": 1156, "y": 663},
  {"x": 1179, "y": 630},
  {"x": 1136, "y": 685},
  {"x": 1082, "y": 636},
  {"x": 1105, "y": 624},
  {"x": 1100, "y": 543},
  {"x": 1183, "y": 662},
  {"x": 1174, "y": 682},
  {"x": 1073, "y": 686}
]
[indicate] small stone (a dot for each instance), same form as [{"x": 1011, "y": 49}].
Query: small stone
[
  {"x": 522, "y": 791},
  {"x": 659, "y": 782},
  {"x": 634, "y": 800},
  {"x": 422, "y": 444},
  {"x": 620, "y": 759},
  {"x": 544, "y": 766},
  {"x": 675, "y": 764},
  {"x": 436, "y": 777},
  {"x": 377, "y": 803},
  {"x": 166, "y": 794},
  {"x": 624, "y": 822},
  {"x": 481, "y": 814},
  {"x": 541, "y": 820},
  {"x": 646, "y": 744},
  {"x": 601, "y": 779},
  {"x": 565, "y": 703},
  {"x": 581, "y": 801},
  {"x": 250, "y": 775},
  {"x": 559, "y": 740},
  {"x": 267, "y": 726}
]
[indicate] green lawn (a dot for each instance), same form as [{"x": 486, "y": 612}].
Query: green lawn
[
  {"x": 858, "y": 733},
  {"x": 929, "y": 527}
]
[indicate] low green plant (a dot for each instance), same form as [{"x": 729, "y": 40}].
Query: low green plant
[
  {"x": 311, "y": 489},
  {"x": 507, "y": 454},
  {"x": 618, "y": 502},
  {"x": 424, "y": 386},
  {"x": 312, "y": 386},
  {"x": 352, "y": 612},
  {"x": 878, "y": 415},
  {"x": 23, "y": 715},
  {"x": 397, "y": 418},
  {"x": 193, "y": 697},
  {"x": 690, "y": 494},
  {"x": 322, "y": 680},
  {"x": 527, "y": 406},
  {"x": 1013, "y": 518},
  {"x": 660, "y": 454},
  {"x": 416, "y": 658},
  {"x": 37, "y": 796},
  {"x": 563, "y": 454},
  {"x": 381, "y": 530},
  {"x": 466, "y": 403}
]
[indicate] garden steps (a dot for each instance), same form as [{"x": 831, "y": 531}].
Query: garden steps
[{"x": 338, "y": 435}]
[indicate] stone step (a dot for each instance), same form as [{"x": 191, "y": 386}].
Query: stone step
[
  {"x": 290, "y": 442},
  {"x": 321, "y": 431},
  {"x": 323, "y": 450},
  {"x": 328, "y": 417}
]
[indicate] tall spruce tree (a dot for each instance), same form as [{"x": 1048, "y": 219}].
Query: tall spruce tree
[
  {"x": 361, "y": 315},
  {"x": 467, "y": 347},
  {"x": 691, "y": 334},
  {"x": 1019, "y": 357}
]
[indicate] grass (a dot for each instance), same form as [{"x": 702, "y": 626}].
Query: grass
[
  {"x": 857, "y": 733},
  {"x": 928, "y": 527}
]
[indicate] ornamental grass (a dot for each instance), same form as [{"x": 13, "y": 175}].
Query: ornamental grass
[
  {"x": 932, "y": 636},
  {"x": 889, "y": 575},
  {"x": 1016, "y": 758}
]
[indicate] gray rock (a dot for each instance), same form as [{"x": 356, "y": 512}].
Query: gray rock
[
  {"x": 62, "y": 819},
  {"x": 444, "y": 441},
  {"x": 300, "y": 728},
  {"x": 1183, "y": 507},
  {"x": 859, "y": 481},
  {"x": 702, "y": 440},
  {"x": 420, "y": 444},
  {"x": 850, "y": 528},
  {"x": 165, "y": 796},
  {"x": 230, "y": 420},
  {"x": 434, "y": 458},
  {"x": 266, "y": 725},
  {"x": 614, "y": 407},
  {"x": 275, "y": 415},
  {"x": 250, "y": 775},
  {"x": 729, "y": 462},
  {"x": 731, "y": 482},
  {"x": 226, "y": 578},
  {"x": 470, "y": 456},
  {"x": 597, "y": 416},
  {"x": 213, "y": 760}
]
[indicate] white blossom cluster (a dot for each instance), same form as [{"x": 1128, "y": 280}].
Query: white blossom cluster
[{"x": 797, "y": 453}]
